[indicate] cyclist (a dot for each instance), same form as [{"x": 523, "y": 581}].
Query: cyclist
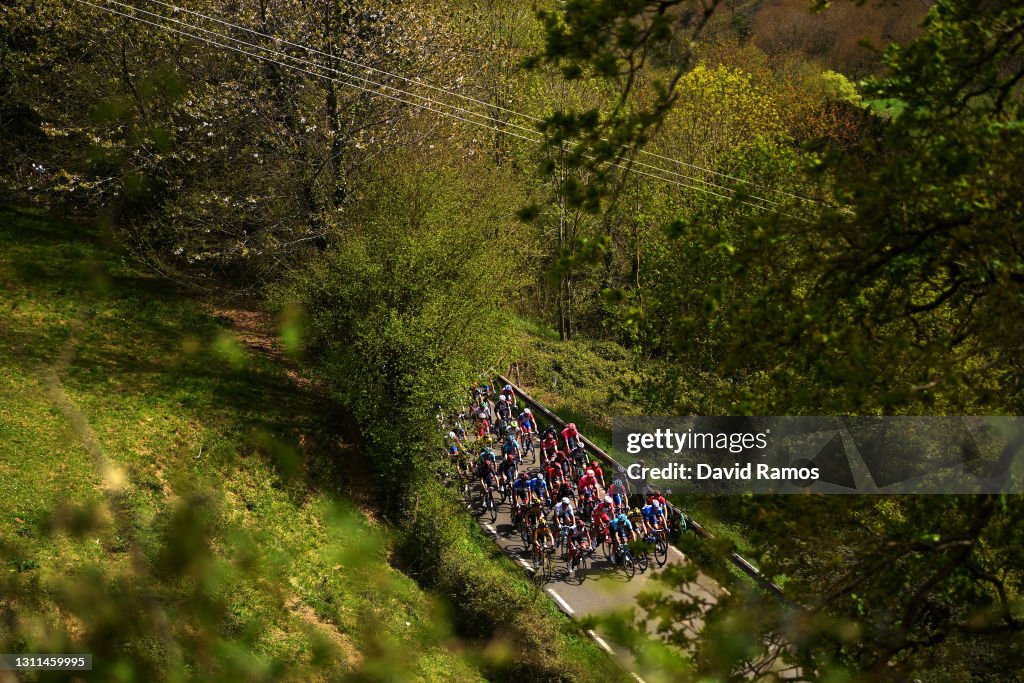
[
  {"x": 563, "y": 462},
  {"x": 503, "y": 408},
  {"x": 578, "y": 457},
  {"x": 549, "y": 439},
  {"x": 485, "y": 472},
  {"x": 510, "y": 447},
  {"x": 548, "y": 442},
  {"x": 563, "y": 512},
  {"x": 601, "y": 528},
  {"x": 619, "y": 500},
  {"x": 571, "y": 437},
  {"x": 540, "y": 488},
  {"x": 534, "y": 512},
  {"x": 508, "y": 469},
  {"x": 487, "y": 455},
  {"x": 620, "y": 530},
  {"x": 508, "y": 394},
  {"x": 553, "y": 472},
  {"x": 588, "y": 481},
  {"x": 598, "y": 472},
  {"x": 560, "y": 488},
  {"x": 654, "y": 516},
  {"x": 542, "y": 535},
  {"x": 636, "y": 518},
  {"x": 460, "y": 432},
  {"x": 521, "y": 494},
  {"x": 454, "y": 456},
  {"x": 579, "y": 540},
  {"x": 605, "y": 507},
  {"x": 527, "y": 428},
  {"x": 483, "y": 425}
]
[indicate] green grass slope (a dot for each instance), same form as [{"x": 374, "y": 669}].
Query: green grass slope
[{"x": 164, "y": 492}]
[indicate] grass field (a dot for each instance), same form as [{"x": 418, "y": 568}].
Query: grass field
[{"x": 161, "y": 485}]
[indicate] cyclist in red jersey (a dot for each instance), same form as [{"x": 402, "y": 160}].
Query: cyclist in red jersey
[
  {"x": 548, "y": 446},
  {"x": 598, "y": 472},
  {"x": 588, "y": 481},
  {"x": 571, "y": 437}
]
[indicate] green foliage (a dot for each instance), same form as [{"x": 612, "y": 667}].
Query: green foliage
[
  {"x": 172, "y": 513},
  {"x": 403, "y": 310}
]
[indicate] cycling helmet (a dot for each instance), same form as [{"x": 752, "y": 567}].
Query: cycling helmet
[
  {"x": 541, "y": 523},
  {"x": 522, "y": 475},
  {"x": 502, "y": 398},
  {"x": 621, "y": 518},
  {"x": 527, "y": 411},
  {"x": 607, "y": 499},
  {"x": 656, "y": 505},
  {"x": 571, "y": 425},
  {"x": 565, "y": 501},
  {"x": 636, "y": 511},
  {"x": 590, "y": 472},
  {"x": 508, "y": 387},
  {"x": 537, "y": 476}
]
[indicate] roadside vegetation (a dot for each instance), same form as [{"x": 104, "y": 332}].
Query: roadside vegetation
[
  {"x": 697, "y": 207},
  {"x": 180, "y": 505}
]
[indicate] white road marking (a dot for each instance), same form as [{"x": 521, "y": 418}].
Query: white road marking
[
  {"x": 491, "y": 529},
  {"x": 526, "y": 564},
  {"x": 560, "y": 601},
  {"x": 600, "y": 641}
]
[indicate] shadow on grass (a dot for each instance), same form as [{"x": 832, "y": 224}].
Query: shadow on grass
[{"x": 139, "y": 339}]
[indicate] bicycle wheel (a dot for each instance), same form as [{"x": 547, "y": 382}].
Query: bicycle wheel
[
  {"x": 661, "y": 550},
  {"x": 628, "y": 565},
  {"x": 493, "y": 506},
  {"x": 643, "y": 561},
  {"x": 606, "y": 546},
  {"x": 581, "y": 568}
]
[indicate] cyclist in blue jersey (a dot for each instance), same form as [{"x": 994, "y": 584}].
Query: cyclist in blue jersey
[
  {"x": 540, "y": 488},
  {"x": 510, "y": 447},
  {"x": 525, "y": 419},
  {"x": 621, "y": 531},
  {"x": 522, "y": 490}
]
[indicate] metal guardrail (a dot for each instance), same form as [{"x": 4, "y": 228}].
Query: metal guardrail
[{"x": 737, "y": 560}]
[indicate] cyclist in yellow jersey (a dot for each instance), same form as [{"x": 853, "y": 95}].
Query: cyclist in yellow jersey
[{"x": 542, "y": 535}]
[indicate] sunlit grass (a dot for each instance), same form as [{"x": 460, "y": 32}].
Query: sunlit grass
[{"x": 172, "y": 399}]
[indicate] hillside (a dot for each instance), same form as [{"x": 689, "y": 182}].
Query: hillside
[{"x": 162, "y": 486}]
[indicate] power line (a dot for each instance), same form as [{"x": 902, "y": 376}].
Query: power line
[
  {"x": 468, "y": 98},
  {"x": 374, "y": 92},
  {"x": 461, "y": 110}
]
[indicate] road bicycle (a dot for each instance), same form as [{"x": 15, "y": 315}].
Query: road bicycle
[
  {"x": 625, "y": 558},
  {"x": 562, "y": 540},
  {"x": 577, "y": 562},
  {"x": 526, "y": 446},
  {"x": 542, "y": 563},
  {"x": 487, "y": 502},
  {"x": 659, "y": 539}
]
